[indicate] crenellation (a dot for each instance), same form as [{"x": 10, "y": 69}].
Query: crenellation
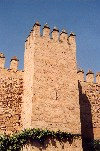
[
  {"x": 63, "y": 36},
  {"x": 49, "y": 93},
  {"x": 36, "y": 29},
  {"x": 72, "y": 43},
  {"x": 80, "y": 73},
  {"x": 31, "y": 37},
  {"x": 14, "y": 63},
  {"x": 71, "y": 39},
  {"x": 46, "y": 31},
  {"x": 55, "y": 34},
  {"x": 90, "y": 76},
  {"x": 2, "y": 60},
  {"x": 98, "y": 77}
]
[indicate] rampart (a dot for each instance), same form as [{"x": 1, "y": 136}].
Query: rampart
[
  {"x": 11, "y": 89},
  {"x": 50, "y": 92},
  {"x": 52, "y": 63},
  {"x": 89, "y": 99}
]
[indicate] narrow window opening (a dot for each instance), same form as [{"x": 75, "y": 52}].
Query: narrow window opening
[{"x": 56, "y": 96}]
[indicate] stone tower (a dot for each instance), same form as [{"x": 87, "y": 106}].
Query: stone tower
[
  {"x": 50, "y": 93},
  {"x": 51, "y": 97}
]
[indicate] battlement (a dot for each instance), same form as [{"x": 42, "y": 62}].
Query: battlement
[
  {"x": 11, "y": 88},
  {"x": 98, "y": 77},
  {"x": 90, "y": 77},
  {"x": 2, "y": 60},
  {"x": 13, "y": 63},
  {"x": 50, "y": 93},
  {"x": 48, "y": 34}
]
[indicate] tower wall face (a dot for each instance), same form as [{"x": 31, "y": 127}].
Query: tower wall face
[
  {"x": 28, "y": 88},
  {"x": 55, "y": 92},
  {"x": 50, "y": 85}
]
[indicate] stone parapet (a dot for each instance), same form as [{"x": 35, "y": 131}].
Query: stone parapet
[
  {"x": 48, "y": 34},
  {"x": 80, "y": 73},
  {"x": 14, "y": 63},
  {"x": 90, "y": 77},
  {"x": 98, "y": 77},
  {"x": 2, "y": 60}
]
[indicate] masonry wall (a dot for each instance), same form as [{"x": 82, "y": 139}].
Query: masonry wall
[
  {"x": 54, "y": 145},
  {"x": 48, "y": 94},
  {"x": 53, "y": 86},
  {"x": 55, "y": 99},
  {"x": 90, "y": 109},
  {"x": 11, "y": 89}
]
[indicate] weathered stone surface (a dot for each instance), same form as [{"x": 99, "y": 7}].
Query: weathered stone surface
[
  {"x": 51, "y": 90},
  {"x": 48, "y": 94},
  {"x": 11, "y": 88},
  {"x": 90, "y": 109},
  {"x": 54, "y": 145}
]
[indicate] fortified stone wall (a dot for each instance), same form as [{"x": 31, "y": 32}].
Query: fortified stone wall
[
  {"x": 51, "y": 90},
  {"x": 89, "y": 104},
  {"x": 11, "y": 89},
  {"x": 51, "y": 97},
  {"x": 50, "y": 93}
]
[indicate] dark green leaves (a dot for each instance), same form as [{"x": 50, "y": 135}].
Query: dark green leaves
[{"x": 16, "y": 141}]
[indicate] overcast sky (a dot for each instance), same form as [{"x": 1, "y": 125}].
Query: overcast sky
[{"x": 80, "y": 16}]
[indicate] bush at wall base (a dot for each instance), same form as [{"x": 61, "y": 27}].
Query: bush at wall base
[{"x": 16, "y": 141}]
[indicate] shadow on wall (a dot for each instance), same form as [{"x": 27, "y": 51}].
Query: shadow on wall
[
  {"x": 50, "y": 143},
  {"x": 86, "y": 121}
]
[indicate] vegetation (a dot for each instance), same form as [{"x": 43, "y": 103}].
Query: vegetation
[{"x": 17, "y": 140}]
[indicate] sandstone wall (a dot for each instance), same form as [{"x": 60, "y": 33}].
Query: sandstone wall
[
  {"x": 54, "y": 145},
  {"x": 48, "y": 94},
  {"x": 50, "y": 81},
  {"x": 55, "y": 99},
  {"x": 90, "y": 109},
  {"x": 11, "y": 89}
]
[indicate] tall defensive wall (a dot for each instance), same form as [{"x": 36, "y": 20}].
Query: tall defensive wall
[
  {"x": 51, "y": 96},
  {"x": 89, "y": 98},
  {"x": 11, "y": 90},
  {"x": 50, "y": 93},
  {"x": 50, "y": 81}
]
